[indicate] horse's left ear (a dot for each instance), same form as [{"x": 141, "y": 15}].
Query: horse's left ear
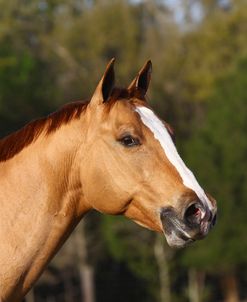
[
  {"x": 142, "y": 80},
  {"x": 104, "y": 89}
]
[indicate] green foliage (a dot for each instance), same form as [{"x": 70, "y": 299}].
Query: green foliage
[
  {"x": 211, "y": 50},
  {"x": 130, "y": 243},
  {"x": 221, "y": 162},
  {"x": 23, "y": 84}
]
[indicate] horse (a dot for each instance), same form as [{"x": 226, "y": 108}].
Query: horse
[{"x": 112, "y": 154}]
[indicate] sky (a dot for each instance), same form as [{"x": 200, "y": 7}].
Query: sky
[{"x": 176, "y": 7}]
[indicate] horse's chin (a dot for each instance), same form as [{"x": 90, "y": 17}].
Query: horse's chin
[
  {"x": 177, "y": 233},
  {"x": 175, "y": 241}
]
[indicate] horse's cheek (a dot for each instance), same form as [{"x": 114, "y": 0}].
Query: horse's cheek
[{"x": 106, "y": 193}]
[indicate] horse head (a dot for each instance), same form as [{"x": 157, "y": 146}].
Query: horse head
[{"x": 131, "y": 165}]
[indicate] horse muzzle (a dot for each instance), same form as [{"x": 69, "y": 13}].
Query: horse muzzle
[{"x": 194, "y": 223}]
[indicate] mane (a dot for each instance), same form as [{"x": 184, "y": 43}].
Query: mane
[{"x": 17, "y": 141}]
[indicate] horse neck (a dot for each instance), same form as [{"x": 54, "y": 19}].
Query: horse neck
[{"x": 41, "y": 202}]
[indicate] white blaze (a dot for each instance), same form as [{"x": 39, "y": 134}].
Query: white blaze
[{"x": 162, "y": 135}]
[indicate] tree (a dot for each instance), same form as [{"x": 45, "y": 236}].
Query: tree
[{"x": 221, "y": 163}]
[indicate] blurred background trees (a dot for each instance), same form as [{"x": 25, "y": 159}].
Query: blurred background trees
[{"x": 53, "y": 52}]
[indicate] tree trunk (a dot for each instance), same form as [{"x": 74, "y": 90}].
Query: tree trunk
[
  {"x": 196, "y": 285},
  {"x": 230, "y": 287},
  {"x": 85, "y": 269},
  {"x": 68, "y": 287},
  {"x": 87, "y": 284},
  {"x": 161, "y": 254}
]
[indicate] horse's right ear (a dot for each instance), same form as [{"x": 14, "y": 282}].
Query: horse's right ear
[{"x": 104, "y": 89}]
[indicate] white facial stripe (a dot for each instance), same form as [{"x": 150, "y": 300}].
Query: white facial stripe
[{"x": 162, "y": 135}]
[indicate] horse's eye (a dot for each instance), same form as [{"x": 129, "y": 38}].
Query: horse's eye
[{"x": 129, "y": 141}]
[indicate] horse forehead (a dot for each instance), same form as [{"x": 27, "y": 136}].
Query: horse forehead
[
  {"x": 155, "y": 125},
  {"x": 124, "y": 112},
  {"x": 160, "y": 134}
]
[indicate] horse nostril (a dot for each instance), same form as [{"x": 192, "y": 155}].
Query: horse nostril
[{"x": 193, "y": 213}]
